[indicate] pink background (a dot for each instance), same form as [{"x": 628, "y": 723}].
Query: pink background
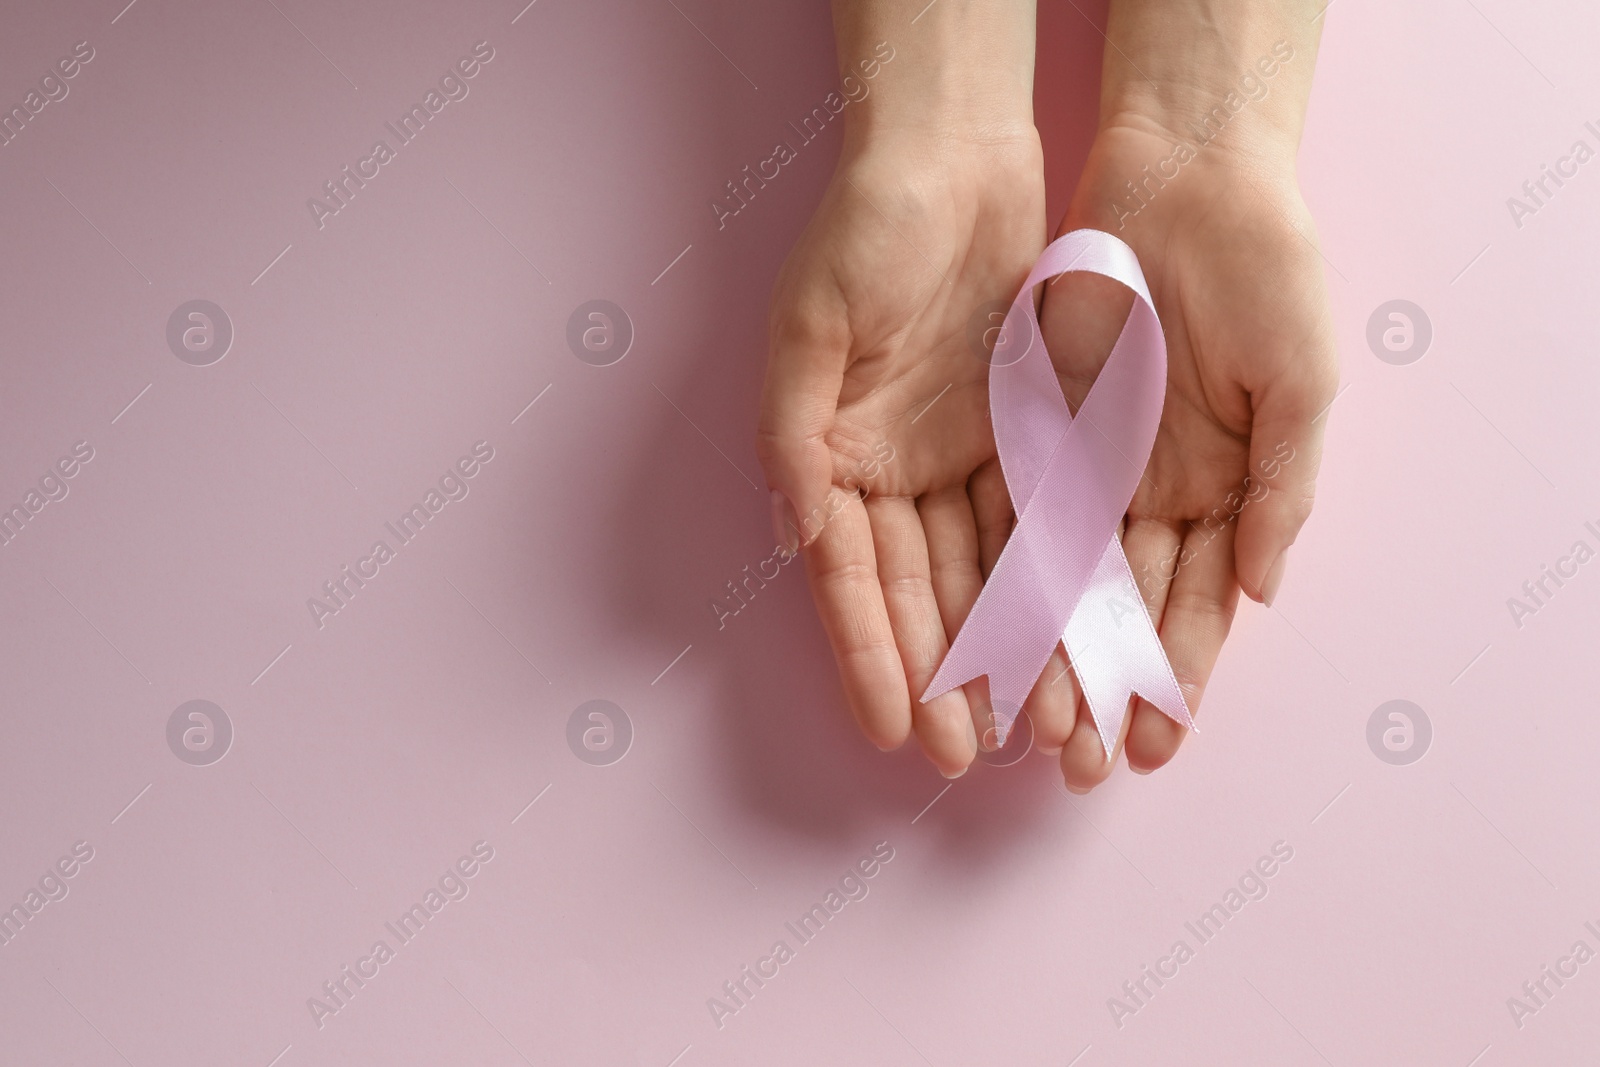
[{"x": 371, "y": 753}]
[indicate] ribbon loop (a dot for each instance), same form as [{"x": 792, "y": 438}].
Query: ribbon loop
[{"x": 1062, "y": 575}]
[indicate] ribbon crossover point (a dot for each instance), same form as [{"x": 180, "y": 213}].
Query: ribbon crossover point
[{"x": 1062, "y": 576}]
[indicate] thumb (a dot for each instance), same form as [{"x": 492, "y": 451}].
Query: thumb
[
  {"x": 805, "y": 371},
  {"x": 1285, "y": 452}
]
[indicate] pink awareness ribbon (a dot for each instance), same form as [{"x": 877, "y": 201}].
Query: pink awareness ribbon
[{"x": 1062, "y": 576}]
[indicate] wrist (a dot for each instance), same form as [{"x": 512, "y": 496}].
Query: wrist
[
  {"x": 1230, "y": 80},
  {"x": 952, "y": 72}
]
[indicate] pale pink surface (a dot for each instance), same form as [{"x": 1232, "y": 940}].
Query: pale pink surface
[{"x": 408, "y": 728}]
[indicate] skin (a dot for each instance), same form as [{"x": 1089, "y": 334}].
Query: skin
[{"x": 937, "y": 209}]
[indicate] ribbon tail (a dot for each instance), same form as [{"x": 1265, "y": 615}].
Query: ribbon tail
[
  {"x": 1115, "y": 652},
  {"x": 1007, "y": 636}
]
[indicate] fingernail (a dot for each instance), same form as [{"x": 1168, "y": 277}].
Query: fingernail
[
  {"x": 990, "y": 739},
  {"x": 958, "y": 774},
  {"x": 1051, "y": 751},
  {"x": 785, "y": 527},
  {"x": 1274, "y": 578},
  {"x": 1074, "y": 790},
  {"x": 1141, "y": 770}
]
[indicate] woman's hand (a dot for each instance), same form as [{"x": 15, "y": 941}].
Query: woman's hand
[
  {"x": 874, "y": 429},
  {"x": 1229, "y": 253}
]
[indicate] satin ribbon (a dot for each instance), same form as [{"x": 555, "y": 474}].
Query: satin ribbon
[{"x": 1062, "y": 576}]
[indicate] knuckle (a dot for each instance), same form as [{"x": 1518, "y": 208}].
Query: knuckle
[
  {"x": 774, "y": 447},
  {"x": 1300, "y": 508},
  {"x": 806, "y": 325},
  {"x": 1206, "y": 621},
  {"x": 848, "y": 574},
  {"x": 1192, "y": 686},
  {"x": 910, "y": 587}
]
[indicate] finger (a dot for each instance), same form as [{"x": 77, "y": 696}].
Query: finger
[
  {"x": 1152, "y": 547},
  {"x": 1285, "y": 452},
  {"x": 952, "y": 536},
  {"x": 1084, "y": 763},
  {"x": 1053, "y": 703},
  {"x": 991, "y": 509},
  {"x": 843, "y": 572},
  {"x": 1199, "y": 611},
  {"x": 810, "y": 345},
  {"x": 943, "y": 724}
]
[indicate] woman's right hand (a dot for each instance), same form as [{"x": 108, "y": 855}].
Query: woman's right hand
[{"x": 874, "y": 430}]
